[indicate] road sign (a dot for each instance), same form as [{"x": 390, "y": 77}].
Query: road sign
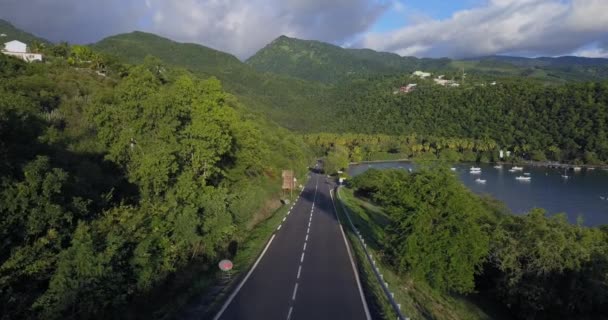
[{"x": 225, "y": 265}]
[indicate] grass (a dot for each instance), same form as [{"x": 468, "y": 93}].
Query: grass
[{"x": 417, "y": 299}]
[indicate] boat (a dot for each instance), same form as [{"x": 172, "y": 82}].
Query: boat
[
  {"x": 565, "y": 176},
  {"x": 453, "y": 169},
  {"x": 516, "y": 168},
  {"x": 603, "y": 198},
  {"x": 498, "y": 166},
  {"x": 577, "y": 168},
  {"x": 475, "y": 169},
  {"x": 475, "y": 172},
  {"x": 512, "y": 170},
  {"x": 527, "y": 174},
  {"x": 480, "y": 181},
  {"x": 522, "y": 178}
]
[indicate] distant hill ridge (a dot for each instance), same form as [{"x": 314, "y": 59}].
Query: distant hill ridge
[
  {"x": 319, "y": 61},
  {"x": 11, "y": 33}
]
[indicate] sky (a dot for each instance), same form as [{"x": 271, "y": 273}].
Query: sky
[{"x": 422, "y": 28}]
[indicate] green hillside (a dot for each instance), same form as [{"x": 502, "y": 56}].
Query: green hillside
[
  {"x": 292, "y": 102},
  {"x": 13, "y": 33},
  {"x": 319, "y": 61}
]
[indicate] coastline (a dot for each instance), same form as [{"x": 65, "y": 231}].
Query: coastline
[{"x": 545, "y": 164}]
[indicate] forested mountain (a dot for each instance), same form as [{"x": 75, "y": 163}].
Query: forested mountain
[
  {"x": 562, "y": 123},
  {"x": 13, "y": 33},
  {"x": 292, "y": 102},
  {"x": 319, "y": 61},
  {"x": 547, "y": 69}
]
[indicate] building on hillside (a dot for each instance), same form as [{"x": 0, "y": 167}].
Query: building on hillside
[
  {"x": 406, "y": 89},
  {"x": 2, "y": 35},
  {"x": 422, "y": 74},
  {"x": 19, "y": 49}
]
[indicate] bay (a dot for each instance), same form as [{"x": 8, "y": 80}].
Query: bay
[{"x": 583, "y": 194}]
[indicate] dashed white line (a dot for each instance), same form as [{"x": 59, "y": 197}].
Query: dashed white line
[
  {"x": 308, "y": 230},
  {"x": 304, "y": 249},
  {"x": 295, "y": 291},
  {"x": 302, "y": 257},
  {"x": 279, "y": 227},
  {"x": 299, "y": 271},
  {"x": 306, "y": 238},
  {"x": 289, "y": 313}
]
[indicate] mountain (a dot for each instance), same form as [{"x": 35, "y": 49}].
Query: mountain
[
  {"x": 11, "y": 33},
  {"x": 288, "y": 101},
  {"x": 327, "y": 63},
  {"x": 551, "y": 69},
  {"x": 319, "y": 61}
]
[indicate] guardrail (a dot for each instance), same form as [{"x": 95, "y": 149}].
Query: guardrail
[{"x": 389, "y": 295}]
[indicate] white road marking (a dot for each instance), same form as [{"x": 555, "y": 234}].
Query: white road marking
[
  {"x": 289, "y": 313},
  {"x": 306, "y": 238},
  {"x": 302, "y": 257},
  {"x": 350, "y": 256},
  {"x": 308, "y": 230},
  {"x": 304, "y": 249},
  {"x": 299, "y": 271},
  {"x": 295, "y": 291},
  {"x": 236, "y": 291},
  {"x": 279, "y": 227},
  {"x": 284, "y": 219}
]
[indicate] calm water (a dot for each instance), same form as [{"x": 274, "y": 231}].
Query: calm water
[{"x": 578, "y": 195}]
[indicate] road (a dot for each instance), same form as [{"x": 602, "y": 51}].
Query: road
[{"x": 306, "y": 271}]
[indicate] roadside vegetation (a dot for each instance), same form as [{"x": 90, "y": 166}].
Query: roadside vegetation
[
  {"x": 447, "y": 248},
  {"x": 119, "y": 184}
]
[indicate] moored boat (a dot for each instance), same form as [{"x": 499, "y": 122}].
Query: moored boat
[{"x": 523, "y": 178}]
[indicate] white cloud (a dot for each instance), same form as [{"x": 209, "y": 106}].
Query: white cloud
[
  {"x": 243, "y": 26},
  {"x": 528, "y": 27}
]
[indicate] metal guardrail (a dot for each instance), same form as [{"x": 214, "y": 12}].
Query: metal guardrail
[{"x": 389, "y": 295}]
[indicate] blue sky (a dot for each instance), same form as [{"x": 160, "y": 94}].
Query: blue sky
[
  {"x": 398, "y": 15},
  {"x": 422, "y": 28}
]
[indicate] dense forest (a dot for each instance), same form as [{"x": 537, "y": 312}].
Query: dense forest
[
  {"x": 439, "y": 232},
  {"x": 534, "y": 122},
  {"x": 114, "y": 178}
]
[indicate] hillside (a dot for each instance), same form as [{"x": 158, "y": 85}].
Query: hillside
[
  {"x": 288, "y": 101},
  {"x": 14, "y": 33},
  {"x": 319, "y": 61},
  {"x": 548, "y": 69}
]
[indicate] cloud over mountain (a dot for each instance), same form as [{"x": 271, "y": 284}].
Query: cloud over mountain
[{"x": 526, "y": 27}]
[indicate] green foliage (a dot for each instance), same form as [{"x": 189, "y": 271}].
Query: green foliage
[
  {"x": 296, "y": 104},
  {"x": 318, "y": 61},
  {"x": 435, "y": 232},
  {"x": 111, "y": 185},
  {"x": 539, "y": 267}
]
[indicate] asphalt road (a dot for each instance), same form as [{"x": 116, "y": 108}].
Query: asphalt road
[{"x": 306, "y": 271}]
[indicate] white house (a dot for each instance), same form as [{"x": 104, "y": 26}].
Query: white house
[
  {"x": 19, "y": 49},
  {"x": 422, "y": 74}
]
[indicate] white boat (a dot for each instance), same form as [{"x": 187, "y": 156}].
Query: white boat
[
  {"x": 522, "y": 178},
  {"x": 480, "y": 181},
  {"x": 603, "y": 198},
  {"x": 453, "y": 169},
  {"x": 512, "y": 170},
  {"x": 516, "y": 168},
  {"x": 565, "y": 176},
  {"x": 475, "y": 169},
  {"x": 527, "y": 174},
  {"x": 498, "y": 166},
  {"x": 577, "y": 168}
]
